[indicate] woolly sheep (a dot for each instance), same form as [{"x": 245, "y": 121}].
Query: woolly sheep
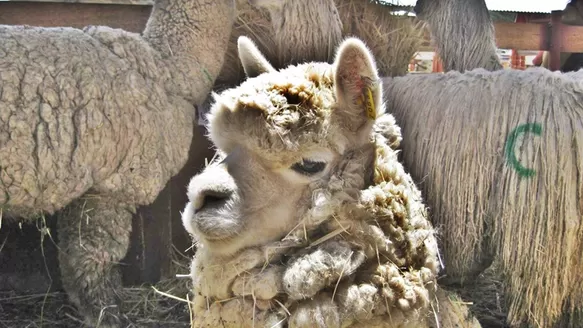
[
  {"x": 94, "y": 122},
  {"x": 307, "y": 219},
  {"x": 498, "y": 158}
]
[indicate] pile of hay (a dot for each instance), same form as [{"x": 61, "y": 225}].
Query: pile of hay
[
  {"x": 393, "y": 39},
  {"x": 254, "y": 23}
]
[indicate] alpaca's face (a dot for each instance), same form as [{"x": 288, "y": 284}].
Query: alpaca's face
[
  {"x": 283, "y": 135},
  {"x": 247, "y": 199}
]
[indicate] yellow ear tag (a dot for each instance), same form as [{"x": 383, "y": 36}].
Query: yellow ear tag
[{"x": 369, "y": 104}]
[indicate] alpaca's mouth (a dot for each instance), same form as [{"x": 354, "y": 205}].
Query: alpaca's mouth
[
  {"x": 215, "y": 221},
  {"x": 210, "y": 200}
]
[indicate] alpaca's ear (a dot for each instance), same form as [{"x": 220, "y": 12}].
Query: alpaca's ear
[
  {"x": 358, "y": 86},
  {"x": 253, "y": 61}
]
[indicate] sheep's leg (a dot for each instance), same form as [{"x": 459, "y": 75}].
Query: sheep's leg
[
  {"x": 94, "y": 237},
  {"x": 312, "y": 272}
]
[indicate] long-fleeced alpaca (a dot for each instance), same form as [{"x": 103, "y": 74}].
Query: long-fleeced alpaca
[{"x": 463, "y": 33}]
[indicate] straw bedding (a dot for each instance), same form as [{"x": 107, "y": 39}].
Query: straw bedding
[
  {"x": 31, "y": 288},
  {"x": 143, "y": 307},
  {"x": 499, "y": 157}
]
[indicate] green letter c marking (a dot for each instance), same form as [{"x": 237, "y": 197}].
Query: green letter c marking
[{"x": 509, "y": 148}]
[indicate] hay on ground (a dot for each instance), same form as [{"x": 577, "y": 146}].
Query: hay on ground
[
  {"x": 24, "y": 304},
  {"x": 143, "y": 307}
]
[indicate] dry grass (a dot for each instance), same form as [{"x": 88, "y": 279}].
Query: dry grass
[
  {"x": 255, "y": 24},
  {"x": 142, "y": 307},
  {"x": 161, "y": 305},
  {"x": 393, "y": 39},
  {"x": 486, "y": 294}
]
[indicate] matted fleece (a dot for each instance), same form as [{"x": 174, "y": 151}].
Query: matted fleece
[{"x": 377, "y": 237}]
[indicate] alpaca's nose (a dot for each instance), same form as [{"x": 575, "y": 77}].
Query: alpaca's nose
[
  {"x": 212, "y": 199},
  {"x": 212, "y": 188}
]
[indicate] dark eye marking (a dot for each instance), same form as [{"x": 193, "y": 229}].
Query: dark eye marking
[{"x": 308, "y": 167}]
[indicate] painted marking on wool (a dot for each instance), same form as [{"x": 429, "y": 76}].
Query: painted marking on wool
[{"x": 535, "y": 128}]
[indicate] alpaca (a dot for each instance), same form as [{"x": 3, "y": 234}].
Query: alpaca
[
  {"x": 450, "y": 22},
  {"x": 307, "y": 218},
  {"x": 94, "y": 122},
  {"x": 498, "y": 159},
  {"x": 276, "y": 27},
  {"x": 573, "y": 13}
]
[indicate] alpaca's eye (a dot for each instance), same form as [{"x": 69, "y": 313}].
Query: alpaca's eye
[{"x": 308, "y": 167}]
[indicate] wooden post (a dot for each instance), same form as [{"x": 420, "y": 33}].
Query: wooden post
[{"x": 555, "y": 46}]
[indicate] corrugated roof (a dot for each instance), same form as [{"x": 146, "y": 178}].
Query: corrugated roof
[{"x": 521, "y": 6}]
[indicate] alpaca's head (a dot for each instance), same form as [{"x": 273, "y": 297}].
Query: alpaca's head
[{"x": 283, "y": 136}]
